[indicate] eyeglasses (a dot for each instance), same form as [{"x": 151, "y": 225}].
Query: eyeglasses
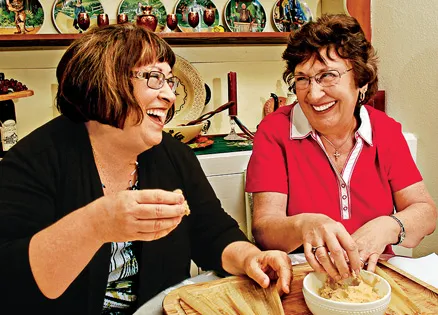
[
  {"x": 325, "y": 79},
  {"x": 156, "y": 79}
]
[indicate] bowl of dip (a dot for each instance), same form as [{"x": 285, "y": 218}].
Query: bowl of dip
[{"x": 369, "y": 294}]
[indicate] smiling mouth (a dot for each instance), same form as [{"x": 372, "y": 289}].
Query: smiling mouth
[
  {"x": 322, "y": 108},
  {"x": 157, "y": 115}
]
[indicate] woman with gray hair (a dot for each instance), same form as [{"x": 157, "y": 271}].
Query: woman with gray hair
[{"x": 327, "y": 172}]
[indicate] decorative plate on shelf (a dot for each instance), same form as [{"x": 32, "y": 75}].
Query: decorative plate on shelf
[
  {"x": 133, "y": 8},
  {"x": 245, "y": 16},
  {"x": 65, "y": 14},
  {"x": 29, "y": 11},
  {"x": 288, "y": 16},
  {"x": 190, "y": 93},
  {"x": 182, "y": 9}
]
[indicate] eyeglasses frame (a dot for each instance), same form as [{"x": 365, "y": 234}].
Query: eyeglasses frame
[
  {"x": 145, "y": 75},
  {"x": 318, "y": 80}
]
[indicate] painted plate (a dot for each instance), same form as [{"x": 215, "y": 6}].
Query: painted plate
[
  {"x": 30, "y": 10},
  {"x": 65, "y": 12},
  {"x": 182, "y": 9},
  {"x": 284, "y": 21},
  {"x": 190, "y": 94},
  {"x": 133, "y": 8},
  {"x": 245, "y": 16}
]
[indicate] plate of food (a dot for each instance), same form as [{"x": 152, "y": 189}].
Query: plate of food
[
  {"x": 66, "y": 15},
  {"x": 289, "y": 15},
  {"x": 201, "y": 142},
  {"x": 21, "y": 17},
  {"x": 190, "y": 93},
  {"x": 245, "y": 16},
  {"x": 133, "y": 8},
  {"x": 182, "y": 9}
]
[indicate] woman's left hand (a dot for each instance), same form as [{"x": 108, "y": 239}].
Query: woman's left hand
[
  {"x": 371, "y": 240},
  {"x": 270, "y": 265}
]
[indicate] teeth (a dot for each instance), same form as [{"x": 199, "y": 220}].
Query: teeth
[
  {"x": 323, "y": 107},
  {"x": 156, "y": 112}
]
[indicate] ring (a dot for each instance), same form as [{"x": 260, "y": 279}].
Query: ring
[{"x": 314, "y": 248}]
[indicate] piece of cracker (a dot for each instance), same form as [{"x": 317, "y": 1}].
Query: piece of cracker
[{"x": 186, "y": 205}]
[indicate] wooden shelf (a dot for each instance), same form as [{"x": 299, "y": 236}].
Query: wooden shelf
[
  {"x": 174, "y": 39},
  {"x": 14, "y": 95}
]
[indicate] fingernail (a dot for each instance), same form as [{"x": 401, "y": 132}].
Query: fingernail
[
  {"x": 338, "y": 278},
  {"x": 357, "y": 271},
  {"x": 345, "y": 276}
]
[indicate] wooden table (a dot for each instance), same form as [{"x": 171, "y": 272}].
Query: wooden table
[{"x": 425, "y": 297}]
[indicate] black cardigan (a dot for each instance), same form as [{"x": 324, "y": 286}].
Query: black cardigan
[{"x": 51, "y": 173}]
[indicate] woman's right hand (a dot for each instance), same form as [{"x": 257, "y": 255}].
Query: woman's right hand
[
  {"x": 130, "y": 215},
  {"x": 328, "y": 246}
]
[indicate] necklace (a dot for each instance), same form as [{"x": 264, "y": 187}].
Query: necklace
[
  {"x": 337, "y": 154},
  {"x": 133, "y": 182}
]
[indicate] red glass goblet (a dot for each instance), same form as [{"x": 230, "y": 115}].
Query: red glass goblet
[
  {"x": 172, "y": 21},
  {"x": 209, "y": 17},
  {"x": 193, "y": 18},
  {"x": 83, "y": 21},
  {"x": 122, "y": 18},
  {"x": 102, "y": 19}
]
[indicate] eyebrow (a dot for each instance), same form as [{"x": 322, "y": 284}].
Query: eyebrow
[
  {"x": 322, "y": 70},
  {"x": 157, "y": 69}
]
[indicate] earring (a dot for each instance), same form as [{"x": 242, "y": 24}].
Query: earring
[{"x": 361, "y": 97}]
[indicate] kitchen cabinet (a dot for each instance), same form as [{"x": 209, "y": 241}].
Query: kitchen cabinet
[
  {"x": 226, "y": 174},
  {"x": 357, "y": 8}
]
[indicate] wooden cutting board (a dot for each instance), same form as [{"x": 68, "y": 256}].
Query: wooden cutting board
[{"x": 293, "y": 303}]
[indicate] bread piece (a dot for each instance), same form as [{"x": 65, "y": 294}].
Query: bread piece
[{"x": 187, "y": 211}]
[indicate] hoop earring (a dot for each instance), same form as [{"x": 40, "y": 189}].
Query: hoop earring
[{"x": 361, "y": 97}]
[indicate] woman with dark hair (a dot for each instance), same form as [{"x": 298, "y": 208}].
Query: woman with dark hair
[
  {"x": 328, "y": 172},
  {"x": 92, "y": 204}
]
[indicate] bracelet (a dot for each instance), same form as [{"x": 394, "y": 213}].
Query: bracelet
[{"x": 402, "y": 233}]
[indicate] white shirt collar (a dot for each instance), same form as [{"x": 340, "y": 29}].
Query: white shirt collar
[{"x": 301, "y": 128}]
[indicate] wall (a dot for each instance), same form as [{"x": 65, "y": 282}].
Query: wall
[
  {"x": 405, "y": 34},
  {"x": 259, "y": 70}
]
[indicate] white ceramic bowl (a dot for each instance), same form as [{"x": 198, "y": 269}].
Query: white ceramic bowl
[
  {"x": 321, "y": 306},
  {"x": 183, "y": 133}
]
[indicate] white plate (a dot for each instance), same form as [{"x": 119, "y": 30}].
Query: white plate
[
  {"x": 34, "y": 17},
  {"x": 190, "y": 99},
  {"x": 254, "y": 20},
  {"x": 283, "y": 21},
  {"x": 63, "y": 14}
]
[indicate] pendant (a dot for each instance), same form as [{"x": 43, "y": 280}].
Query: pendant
[{"x": 336, "y": 154}]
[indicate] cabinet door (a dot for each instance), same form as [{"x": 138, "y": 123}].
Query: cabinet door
[{"x": 230, "y": 191}]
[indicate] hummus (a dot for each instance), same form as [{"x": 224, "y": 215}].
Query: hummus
[{"x": 358, "y": 291}]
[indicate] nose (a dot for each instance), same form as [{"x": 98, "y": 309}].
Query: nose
[
  {"x": 316, "y": 91},
  {"x": 167, "y": 93}
]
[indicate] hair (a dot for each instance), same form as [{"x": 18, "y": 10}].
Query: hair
[
  {"x": 94, "y": 74},
  {"x": 339, "y": 33}
]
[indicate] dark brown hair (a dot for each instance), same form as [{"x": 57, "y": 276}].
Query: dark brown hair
[
  {"x": 94, "y": 74},
  {"x": 339, "y": 33}
]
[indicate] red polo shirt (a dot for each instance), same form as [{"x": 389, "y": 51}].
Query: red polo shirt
[{"x": 289, "y": 157}]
